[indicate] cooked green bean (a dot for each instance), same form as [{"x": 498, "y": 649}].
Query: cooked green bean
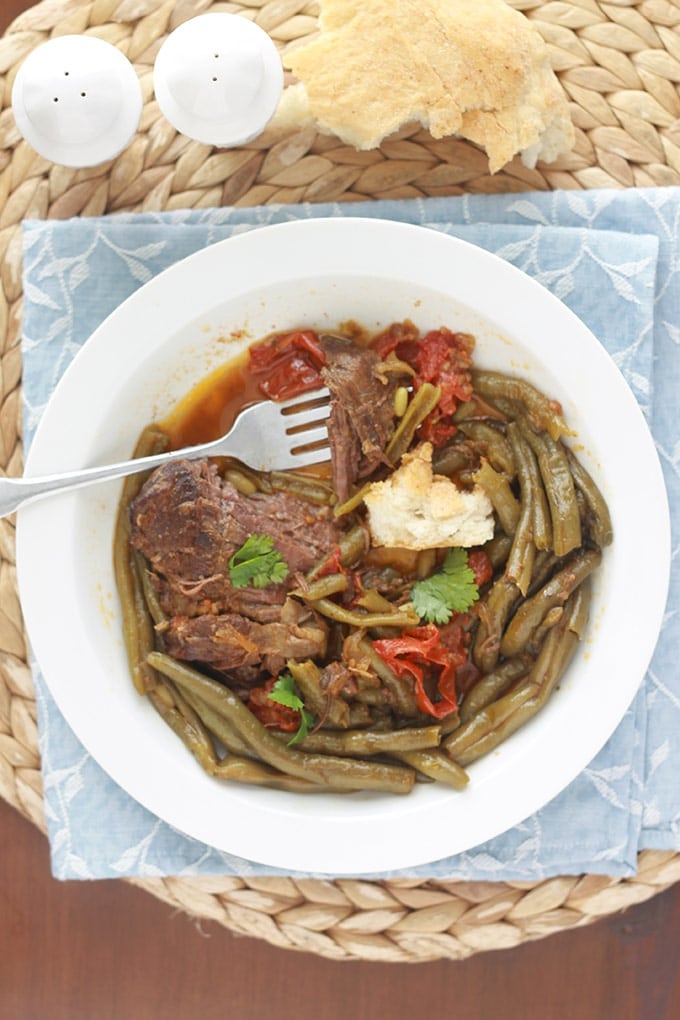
[
  {"x": 601, "y": 524},
  {"x": 402, "y": 617},
  {"x": 488, "y": 721},
  {"x": 496, "y": 447},
  {"x": 499, "y": 603},
  {"x": 503, "y": 500},
  {"x": 533, "y": 524},
  {"x": 449, "y": 460},
  {"x": 313, "y": 490},
  {"x": 553, "y": 659},
  {"x": 492, "y": 685},
  {"x": 498, "y": 549},
  {"x": 532, "y": 485},
  {"x": 579, "y": 609},
  {"x": 424, "y": 400},
  {"x": 307, "y": 676},
  {"x": 500, "y": 733},
  {"x": 557, "y": 649},
  {"x": 550, "y": 620},
  {"x": 247, "y": 481},
  {"x": 558, "y": 484},
  {"x": 520, "y": 562},
  {"x": 399, "y": 687},
  {"x": 138, "y": 633},
  {"x": 353, "y": 502},
  {"x": 321, "y": 587},
  {"x": 150, "y": 594},
  {"x": 240, "y": 480},
  {"x": 361, "y": 715},
  {"x": 184, "y": 722},
  {"x": 351, "y": 544},
  {"x": 545, "y": 563},
  {"x": 259, "y": 480},
  {"x": 554, "y": 593},
  {"x": 245, "y": 770},
  {"x": 220, "y": 727},
  {"x": 545, "y": 412},
  {"x": 437, "y": 766},
  {"x": 330, "y": 771},
  {"x": 370, "y": 742}
]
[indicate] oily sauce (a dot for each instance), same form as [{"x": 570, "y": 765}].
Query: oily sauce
[{"x": 211, "y": 407}]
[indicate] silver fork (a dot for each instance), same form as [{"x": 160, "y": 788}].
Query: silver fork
[{"x": 265, "y": 436}]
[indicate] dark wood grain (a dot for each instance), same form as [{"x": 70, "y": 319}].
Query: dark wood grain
[{"x": 108, "y": 951}]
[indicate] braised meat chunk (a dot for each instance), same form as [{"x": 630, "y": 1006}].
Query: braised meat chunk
[
  {"x": 230, "y": 641},
  {"x": 362, "y": 411},
  {"x": 188, "y": 522}
]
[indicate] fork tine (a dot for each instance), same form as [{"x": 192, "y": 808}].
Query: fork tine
[
  {"x": 309, "y": 437},
  {"x": 316, "y": 398},
  {"x": 307, "y": 418},
  {"x": 308, "y": 457}
]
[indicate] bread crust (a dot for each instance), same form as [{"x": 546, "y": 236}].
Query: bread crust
[
  {"x": 416, "y": 509},
  {"x": 473, "y": 68}
]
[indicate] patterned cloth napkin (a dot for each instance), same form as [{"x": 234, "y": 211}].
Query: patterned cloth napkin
[{"x": 613, "y": 257}]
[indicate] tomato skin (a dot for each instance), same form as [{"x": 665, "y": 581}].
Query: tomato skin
[
  {"x": 440, "y": 357},
  {"x": 270, "y": 713},
  {"x": 413, "y": 652},
  {"x": 288, "y": 364},
  {"x": 480, "y": 565}
]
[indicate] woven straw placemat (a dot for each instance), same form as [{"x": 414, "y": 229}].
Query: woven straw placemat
[{"x": 619, "y": 63}]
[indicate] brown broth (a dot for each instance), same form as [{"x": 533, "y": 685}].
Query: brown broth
[{"x": 211, "y": 407}]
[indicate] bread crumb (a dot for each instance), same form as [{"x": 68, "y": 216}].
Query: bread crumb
[{"x": 416, "y": 509}]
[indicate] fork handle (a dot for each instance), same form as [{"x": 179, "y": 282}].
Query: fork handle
[{"x": 15, "y": 492}]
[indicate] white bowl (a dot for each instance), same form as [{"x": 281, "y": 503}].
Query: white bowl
[{"x": 184, "y": 323}]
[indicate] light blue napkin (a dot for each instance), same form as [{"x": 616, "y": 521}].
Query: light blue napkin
[{"x": 613, "y": 257}]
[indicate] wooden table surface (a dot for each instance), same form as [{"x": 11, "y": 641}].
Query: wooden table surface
[{"x": 108, "y": 951}]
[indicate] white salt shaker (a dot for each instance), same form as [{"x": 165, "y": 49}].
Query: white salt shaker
[
  {"x": 77, "y": 100},
  {"x": 218, "y": 79}
]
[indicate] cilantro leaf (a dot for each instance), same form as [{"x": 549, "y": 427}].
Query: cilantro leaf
[
  {"x": 283, "y": 692},
  {"x": 451, "y": 590},
  {"x": 257, "y": 562}
]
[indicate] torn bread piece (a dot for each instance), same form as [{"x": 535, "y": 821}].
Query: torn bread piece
[
  {"x": 473, "y": 68},
  {"x": 416, "y": 509}
]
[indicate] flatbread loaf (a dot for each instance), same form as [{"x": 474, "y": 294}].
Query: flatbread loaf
[{"x": 473, "y": 68}]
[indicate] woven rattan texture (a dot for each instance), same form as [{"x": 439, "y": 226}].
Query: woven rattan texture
[{"x": 619, "y": 63}]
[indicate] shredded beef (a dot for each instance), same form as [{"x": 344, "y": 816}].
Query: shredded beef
[
  {"x": 188, "y": 523},
  {"x": 362, "y": 411},
  {"x": 261, "y": 604},
  {"x": 229, "y": 641}
]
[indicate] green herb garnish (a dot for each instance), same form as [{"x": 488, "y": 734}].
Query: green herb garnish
[
  {"x": 283, "y": 692},
  {"x": 257, "y": 562},
  {"x": 450, "y": 590}
]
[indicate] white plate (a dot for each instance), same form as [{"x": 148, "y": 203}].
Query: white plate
[{"x": 148, "y": 354}]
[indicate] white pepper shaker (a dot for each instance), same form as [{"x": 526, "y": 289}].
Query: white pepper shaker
[
  {"x": 77, "y": 100},
  {"x": 218, "y": 79}
]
